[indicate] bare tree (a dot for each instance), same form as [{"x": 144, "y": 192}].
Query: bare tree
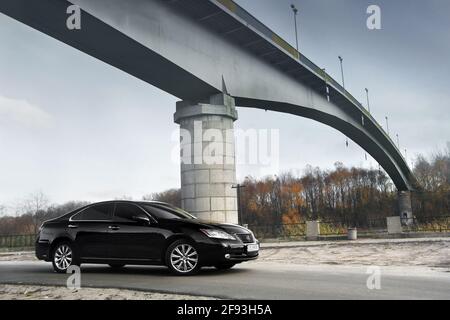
[
  {"x": 35, "y": 205},
  {"x": 172, "y": 196}
]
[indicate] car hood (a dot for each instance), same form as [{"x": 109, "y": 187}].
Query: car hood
[{"x": 228, "y": 227}]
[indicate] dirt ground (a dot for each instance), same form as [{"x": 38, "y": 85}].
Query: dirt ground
[
  {"x": 25, "y": 292},
  {"x": 433, "y": 253},
  {"x": 17, "y": 256}
]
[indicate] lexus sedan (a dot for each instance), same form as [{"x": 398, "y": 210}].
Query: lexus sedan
[{"x": 142, "y": 233}]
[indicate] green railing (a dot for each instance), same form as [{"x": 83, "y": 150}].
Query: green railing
[
  {"x": 17, "y": 241},
  {"x": 430, "y": 224}
]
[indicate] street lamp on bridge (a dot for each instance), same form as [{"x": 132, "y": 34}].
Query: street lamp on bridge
[
  {"x": 387, "y": 125},
  {"x": 295, "y": 10},
  {"x": 343, "y": 85},
  {"x": 367, "y": 96},
  {"x": 342, "y": 71}
]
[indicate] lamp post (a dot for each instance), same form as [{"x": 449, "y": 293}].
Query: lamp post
[
  {"x": 295, "y": 10},
  {"x": 342, "y": 71},
  {"x": 278, "y": 182},
  {"x": 343, "y": 85},
  {"x": 238, "y": 188},
  {"x": 387, "y": 125},
  {"x": 367, "y": 96}
]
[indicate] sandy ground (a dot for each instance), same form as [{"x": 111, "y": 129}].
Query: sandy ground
[
  {"x": 25, "y": 292},
  {"x": 17, "y": 256},
  {"x": 433, "y": 253}
]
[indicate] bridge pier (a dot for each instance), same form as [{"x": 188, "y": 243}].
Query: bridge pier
[
  {"x": 405, "y": 207},
  {"x": 207, "y": 152}
]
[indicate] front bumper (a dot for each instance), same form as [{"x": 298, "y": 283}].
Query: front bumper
[{"x": 222, "y": 251}]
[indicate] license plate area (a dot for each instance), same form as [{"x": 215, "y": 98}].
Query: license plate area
[{"x": 252, "y": 247}]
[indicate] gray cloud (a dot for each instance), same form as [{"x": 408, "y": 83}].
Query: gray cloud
[{"x": 23, "y": 113}]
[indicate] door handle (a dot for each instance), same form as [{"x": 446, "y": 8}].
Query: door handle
[
  {"x": 113, "y": 227},
  {"x": 72, "y": 226}
]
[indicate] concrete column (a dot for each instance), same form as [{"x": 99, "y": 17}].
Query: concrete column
[
  {"x": 394, "y": 225},
  {"x": 312, "y": 230},
  {"x": 208, "y": 169},
  {"x": 405, "y": 207}
]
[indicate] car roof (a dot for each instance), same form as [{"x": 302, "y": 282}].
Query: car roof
[
  {"x": 130, "y": 201},
  {"x": 118, "y": 201}
]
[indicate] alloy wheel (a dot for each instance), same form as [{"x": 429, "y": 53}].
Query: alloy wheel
[
  {"x": 63, "y": 257},
  {"x": 184, "y": 258}
]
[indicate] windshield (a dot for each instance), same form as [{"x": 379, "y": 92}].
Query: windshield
[{"x": 166, "y": 211}]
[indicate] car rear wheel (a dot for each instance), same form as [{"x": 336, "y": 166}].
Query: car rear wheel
[
  {"x": 224, "y": 266},
  {"x": 63, "y": 257},
  {"x": 182, "y": 258}
]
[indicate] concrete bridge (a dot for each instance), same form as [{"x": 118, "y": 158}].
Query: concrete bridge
[{"x": 214, "y": 55}]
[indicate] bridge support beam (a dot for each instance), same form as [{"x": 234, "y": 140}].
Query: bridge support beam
[
  {"x": 207, "y": 152},
  {"x": 405, "y": 207}
]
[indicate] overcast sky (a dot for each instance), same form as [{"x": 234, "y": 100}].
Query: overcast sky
[{"x": 78, "y": 129}]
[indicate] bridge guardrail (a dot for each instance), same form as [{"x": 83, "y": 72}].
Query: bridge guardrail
[
  {"x": 426, "y": 224},
  {"x": 340, "y": 227},
  {"x": 17, "y": 241}
]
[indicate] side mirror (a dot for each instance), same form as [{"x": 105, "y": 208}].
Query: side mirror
[{"x": 142, "y": 219}]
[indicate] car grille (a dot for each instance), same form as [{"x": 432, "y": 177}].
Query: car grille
[{"x": 245, "y": 237}]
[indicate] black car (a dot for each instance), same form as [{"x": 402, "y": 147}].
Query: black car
[{"x": 146, "y": 233}]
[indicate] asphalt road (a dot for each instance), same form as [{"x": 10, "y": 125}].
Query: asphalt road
[{"x": 258, "y": 280}]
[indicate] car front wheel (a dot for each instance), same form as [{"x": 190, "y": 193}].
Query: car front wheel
[
  {"x": 63, "y": 257},
  {"x": 182, "y": 258}
]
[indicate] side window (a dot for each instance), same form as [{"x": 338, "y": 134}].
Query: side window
[
  {"x": 126, "y": 212},
  {"x": 96, "y": 212}
]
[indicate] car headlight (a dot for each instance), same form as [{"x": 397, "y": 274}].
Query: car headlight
[{"x": 217, "y": 234}]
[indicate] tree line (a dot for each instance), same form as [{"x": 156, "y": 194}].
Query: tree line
[
  {"x": 358, "y": 196},
  {"x": 348, "y": 195},
  {"x": 32, "y": 211},
  {"x": 354, "y": 195}
]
